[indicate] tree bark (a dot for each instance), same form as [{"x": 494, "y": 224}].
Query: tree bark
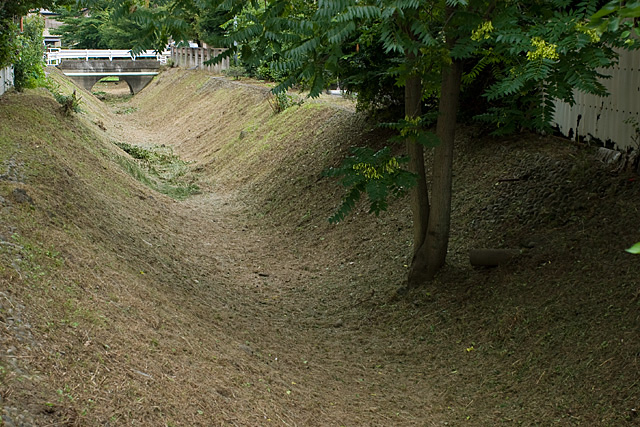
[
  {"x": 431, "y": 256},
  {"x": 415, "y": 151},
  {"x": 437, "y": 240}
]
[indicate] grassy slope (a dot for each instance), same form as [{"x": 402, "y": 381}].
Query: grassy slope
[
  {"x": 93, "y": 284},
  {"x": 98, "y": 287}
]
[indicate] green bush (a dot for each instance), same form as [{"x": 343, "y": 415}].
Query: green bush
[
  {"x": 29, "y": 67},
  {"x": 70, "y": 103},
  {"x": 281, "y": 101},
  {"x": 264, "y": 72},
  {"x": 8, "y": 42},
  {"x": 235, "y": 71}
]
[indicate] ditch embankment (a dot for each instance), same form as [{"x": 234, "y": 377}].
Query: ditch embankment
[{"x": 167, "y": 260}]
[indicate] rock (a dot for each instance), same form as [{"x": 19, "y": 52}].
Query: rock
[
  {"x": 20, "y": 196},
  {"x": 246, "y": 349}
]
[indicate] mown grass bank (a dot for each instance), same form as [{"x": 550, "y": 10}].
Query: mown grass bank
[{"x": 241, "y": 305}]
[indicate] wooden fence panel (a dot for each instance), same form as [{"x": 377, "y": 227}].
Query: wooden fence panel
[
  {"x": 195, "y": 58},
  {"x": 6, "y": 79},
  {"x": 603, "y": 118}
]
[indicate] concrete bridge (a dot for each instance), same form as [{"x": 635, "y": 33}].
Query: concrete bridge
[{"x": 87, "y": 73}]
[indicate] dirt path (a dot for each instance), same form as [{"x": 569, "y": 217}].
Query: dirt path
[
  {"x": 297, "y": 359},
  {"x": 328, "y": 363}
]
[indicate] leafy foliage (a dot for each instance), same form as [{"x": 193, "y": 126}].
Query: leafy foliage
[
  {"x": 29, "y": 66},
  {"x": 140, "y": 24},
  {"x": 8, "y": 42},
  {"x": 70, "y": 103},
  {"x": 414, "y": 129},
  {"x": 101, "y": 26},
  {"x": 281, "y": 101},
  {"x": 10, "y": 12},
  {"x": 80, "y": 31},
  {"x": 377, "y": 173},
  {"x": 635, "y": 249},
  {"x": 235, "y": 71},
  {"x": 539, "y": 57},
  {"x": 364, "y": 70},
  {"x": 615, "y": 16},
  {"x": 159, "y": 168}
]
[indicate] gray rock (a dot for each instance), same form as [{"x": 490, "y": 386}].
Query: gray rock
[{"x": 20, "y": 196}]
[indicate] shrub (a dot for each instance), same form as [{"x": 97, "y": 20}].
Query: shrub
[
  {"x": 70, "y": 103},
  {"x": 264, "y": 72},
  {"x": 8, "y": 42},
  {"x": 29, "y": 67},
  {"x": 281, "y": 101},
  {"x": 235, "y": 71}
]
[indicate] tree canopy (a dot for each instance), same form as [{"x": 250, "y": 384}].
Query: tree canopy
[
  {"x": 97, "y": 27},
  {"x": 10, "y": 12}
]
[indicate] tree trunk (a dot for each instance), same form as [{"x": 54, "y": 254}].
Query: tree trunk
[
  {"x": 431, "y": 256},
  {"x": 437, "y": 240},
  {"x": 419, "y": 193}
]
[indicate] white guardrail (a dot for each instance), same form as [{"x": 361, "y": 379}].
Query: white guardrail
[{"x": 54, "y": 56}]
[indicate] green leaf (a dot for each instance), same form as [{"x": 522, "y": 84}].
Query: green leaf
[
  {"x": 635, "y": 249},
  {"x": 630, "y": 10},
  {"x": 614, "y": 24},
  {"x": 427, "y": 139},
  {"x": 607, "y": 9}
]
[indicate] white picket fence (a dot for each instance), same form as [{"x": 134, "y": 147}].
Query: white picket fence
[
  {"x": 6, "y": 79},
  {"x": 54, "y": 56}
]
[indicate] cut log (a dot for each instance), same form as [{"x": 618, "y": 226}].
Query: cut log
[{"x": 492, "y": 257}]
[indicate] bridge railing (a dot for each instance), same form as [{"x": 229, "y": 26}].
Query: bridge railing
[{"x": 54, "y": 56}]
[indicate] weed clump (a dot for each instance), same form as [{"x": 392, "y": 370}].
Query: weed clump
[
  {"x": 158, "y": 168},
  {"x": 70, "y": 103},
  {"x": 235, "y": 71},
  {"x": 281, "y": 101}
]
